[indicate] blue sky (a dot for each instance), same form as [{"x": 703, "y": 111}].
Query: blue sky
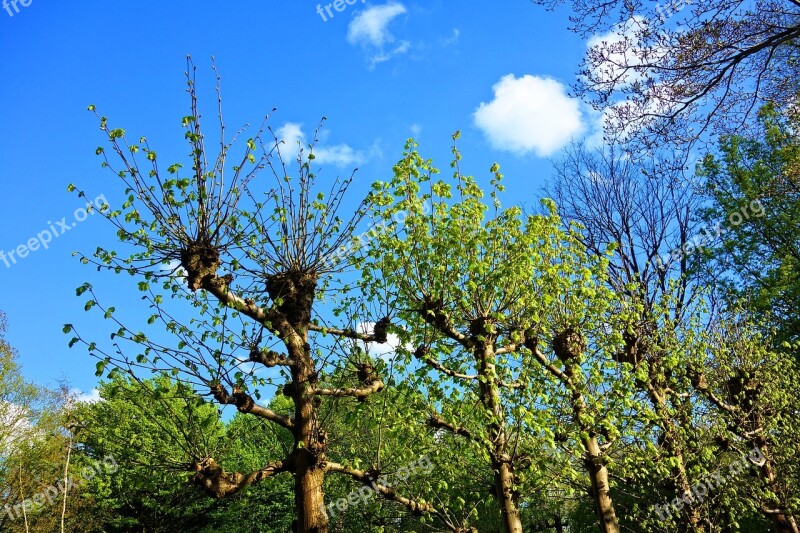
[{"x": 380, "y": 71}]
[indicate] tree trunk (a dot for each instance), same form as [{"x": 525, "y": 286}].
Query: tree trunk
[
  {"x": 501, "y": 462},
  {"x": 504, "y": 485},
  {"x": 310, "y": 500},
  {"x": 601, "y": 490},
  {"x": 309, "y": 453},
  {"x": 309, "y": 449},
  {"x": 66, "y": 481}
]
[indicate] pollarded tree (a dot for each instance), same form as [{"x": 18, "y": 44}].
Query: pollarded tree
[
  {"x": 498, "y": 308},
  {"x": 647, "y": 212},
  {"x": 253, "y": 269},
  {"x": 751, "y": 389}
]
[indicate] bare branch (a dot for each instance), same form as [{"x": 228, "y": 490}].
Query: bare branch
[
  {"x": 218, "y": 483},
  {"x": 245, "y": 404},
  {"x": 422, "y": 353}
]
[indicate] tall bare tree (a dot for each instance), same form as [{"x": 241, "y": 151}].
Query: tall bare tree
[{"x": 654, "y": 63}]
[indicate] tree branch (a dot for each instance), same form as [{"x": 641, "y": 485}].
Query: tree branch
[
  {"x": 245, "y": 404},
  {"x": 431, "y": 312},
  {"x": 218, "y": 483},
  {"x": 436, "y": 421},
  {"x": 270, "y": 358},
  {"x": 379, "y": 332},
  {"x": 389, "y": 493},
  {"x": 701, "y": 384},
  {"x": 422, "y": 352},
  {"x": 356, "y": 392}
]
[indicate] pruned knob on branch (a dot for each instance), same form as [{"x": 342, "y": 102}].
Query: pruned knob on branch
[
  {"x": 379, "y": 332},
  {"x": 531, "y": 341},
  {"x": 569, "y": 345},
  {"x": 630, "y": 350},
  {"x": 744, "y": 390},
  {"x": 366, "y": 373},
  {"x": 422, "y": 352},
  {"x": 433, "y": 312},
  {"x": 698, "y": 379},
  {"x": 480, "y": 327},
  {"x": 200, "y": 260}
]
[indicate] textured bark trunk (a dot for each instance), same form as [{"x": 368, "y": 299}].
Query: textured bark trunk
[
  {"x": 297, "y": 293},
  {"x": 310, "y": 500},
  {"x": 781, "y": 522},
  {"x": 601, "y": 490},
  {"x": 501, "y": 462},
  {"x": 504, "y": 485},
  {"x": 309, "y": 454}
]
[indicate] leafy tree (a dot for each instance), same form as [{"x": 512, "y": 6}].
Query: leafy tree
[
  {"x": 33, "y": 444},
  {"x": 150, "y": 431},
  {"x": 644, "y": 209},
  {"x": 503, "y": 315},
  {"x": 752, "y": 389},
  {"x": 754, "y": 185}
]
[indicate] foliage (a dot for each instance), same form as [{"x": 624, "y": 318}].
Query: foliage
[{"x": 754, "y": 185}]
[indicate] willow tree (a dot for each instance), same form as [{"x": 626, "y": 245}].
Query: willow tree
[
  {"x": 251, "y": 267},
  {"x": 504, "y": 319}
]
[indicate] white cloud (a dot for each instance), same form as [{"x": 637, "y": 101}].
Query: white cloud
[
  {"x": 92, "y": 397},
  {"x": 453, "y": 39},
  {"x": 619, "y": 49},
  {"x": 383, "y": 351},
  {"x": 370, "y": 29},
  {"x": 292, "y": 137},
  {"x": 372, "y": 25},
  {"x": 16, "y": 426},
  {"x": 530, "y": 114}
]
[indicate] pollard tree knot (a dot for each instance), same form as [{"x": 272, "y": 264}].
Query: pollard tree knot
[
  {"x": 379, "y": 331},
  {"x": 200, "y": 260},
  {"x": 569, "y": 344}
]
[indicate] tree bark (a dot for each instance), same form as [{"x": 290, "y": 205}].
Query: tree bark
[
  {"x": 601, "y": 490},
  {"x": 501, "y": 462},
  {"x": 310, "y": 446}
]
